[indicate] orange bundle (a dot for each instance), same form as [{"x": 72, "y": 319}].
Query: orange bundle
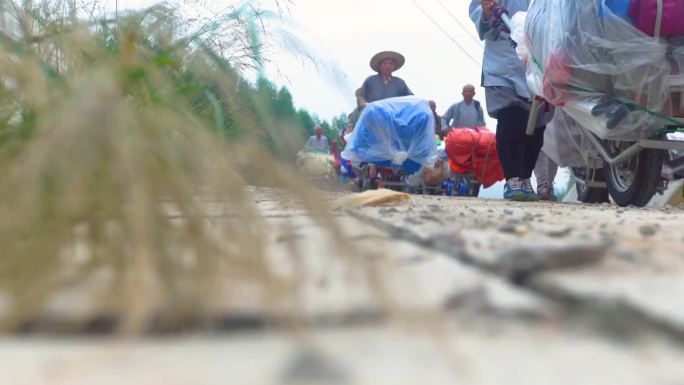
[{"x": 474, "y": 150}]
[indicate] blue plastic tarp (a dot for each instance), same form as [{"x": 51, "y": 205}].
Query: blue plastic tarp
[
  {"x": 619, "y": 8},
  {"x": 397, "y": 133}
]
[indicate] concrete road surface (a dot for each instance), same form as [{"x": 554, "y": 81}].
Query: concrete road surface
[{"x": 430, "y": 291}]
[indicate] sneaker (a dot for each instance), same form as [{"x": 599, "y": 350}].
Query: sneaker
[
  {"x": 530, "y": 195},
  {"x": 513, "y": 190},
  {"x": 546, "y": 193}
]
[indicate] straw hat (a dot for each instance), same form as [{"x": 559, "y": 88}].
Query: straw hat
[{"x": 380, "y": 56}]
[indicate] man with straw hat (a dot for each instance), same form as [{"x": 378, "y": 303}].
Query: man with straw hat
[{"x": 384, "y": 85}]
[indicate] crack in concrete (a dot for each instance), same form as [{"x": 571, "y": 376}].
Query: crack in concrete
[{"x": 611, "y": 317}]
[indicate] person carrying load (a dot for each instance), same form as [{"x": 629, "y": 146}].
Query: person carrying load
[
  {"x": 508, "y": 99},
  {"x": 466, "y": 113},
  {"x": 384, "y": 85}
]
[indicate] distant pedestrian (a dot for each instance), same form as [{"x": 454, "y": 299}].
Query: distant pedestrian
[
  {"x": 317, "y": 142},
  {"x": 335, "y": 149},
  {"x": 464, "y": 114},
  {"x": 344, "y": 134},
  {"x": 438, "y": 119},
  {"x": 360, "y": 104}
]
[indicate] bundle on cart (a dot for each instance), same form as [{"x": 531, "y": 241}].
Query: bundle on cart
[
  {"x": 473, "y": 150},
  {"x": 317, "y": 164},
  {"x": 397, "y": 133},
  {"x": 600, "y": 62}
]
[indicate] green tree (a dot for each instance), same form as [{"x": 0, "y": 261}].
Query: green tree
[
  {"x": 283, "y": 105},
  {"x": 306, "y": 122},
  {"x": 339, "y": 122}
]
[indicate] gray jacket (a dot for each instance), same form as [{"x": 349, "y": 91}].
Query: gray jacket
[
  {"x": 374, "y": 88},
  {"x": 452, "y": 117},
  {"x": 503, "y": 73},
  {"x": 501, "y": 65}
]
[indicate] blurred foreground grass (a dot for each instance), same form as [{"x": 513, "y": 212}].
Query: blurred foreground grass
[{"x": 107, "y": 125}]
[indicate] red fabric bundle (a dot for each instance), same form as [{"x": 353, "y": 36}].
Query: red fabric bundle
[
  {"x": 645, "y": 12},
  {"x": 474, "y": 150}
]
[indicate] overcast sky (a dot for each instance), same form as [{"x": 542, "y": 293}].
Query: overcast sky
[{"x": 344, "y": 35}]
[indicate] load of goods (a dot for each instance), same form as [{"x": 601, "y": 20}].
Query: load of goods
[
  {"x": 615, "y": 70},
  {"x": 393, "y": 145}
]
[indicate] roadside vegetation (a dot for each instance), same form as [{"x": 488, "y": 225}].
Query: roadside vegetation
[{"x": 111, "y": 126}]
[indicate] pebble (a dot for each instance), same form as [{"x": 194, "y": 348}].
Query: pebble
[
  {"x": 648, "y": 231},
  {"x": 508, "y": 211}
]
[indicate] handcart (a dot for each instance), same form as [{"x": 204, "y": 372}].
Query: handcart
[
  {"x": 619, "y": 83},
  {"x": 318, "y": 167},
  {"x": 473, "y": 159},
  {"x": 393, "y": 139}
]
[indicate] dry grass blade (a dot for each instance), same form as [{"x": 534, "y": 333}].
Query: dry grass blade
[{"x": 108, "y": 162}]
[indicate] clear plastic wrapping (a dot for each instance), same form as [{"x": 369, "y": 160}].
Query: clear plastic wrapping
[
  {"x": 607, "y": 75},
  {"x": 565, "y": 142},
  {"x": 397, "y": 133}
]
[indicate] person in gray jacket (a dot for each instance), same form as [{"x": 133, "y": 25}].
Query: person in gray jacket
[
  {"x": 467, "y": 113},
  {"x": 509, "y": 100}
]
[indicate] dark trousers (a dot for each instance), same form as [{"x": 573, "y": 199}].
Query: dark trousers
[{"x": 517, "y": 151}]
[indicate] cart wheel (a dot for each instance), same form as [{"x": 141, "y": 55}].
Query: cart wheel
[
  {"x": 591, "y": 194},
  {"x": 475, "y": 189},
  {"x": 634, "y": 182}
]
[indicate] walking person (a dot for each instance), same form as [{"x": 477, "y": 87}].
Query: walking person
[
  {"x": 318, "y": 141},
  {"x": 360, "y": 104},
  {"x": 545, "y": 171},
  {"x": 384, "y": 84},
  {"x": 438, "y": 119},
  {"x": 464, "y": 114},
  {"x": 509, "y": 101}
]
